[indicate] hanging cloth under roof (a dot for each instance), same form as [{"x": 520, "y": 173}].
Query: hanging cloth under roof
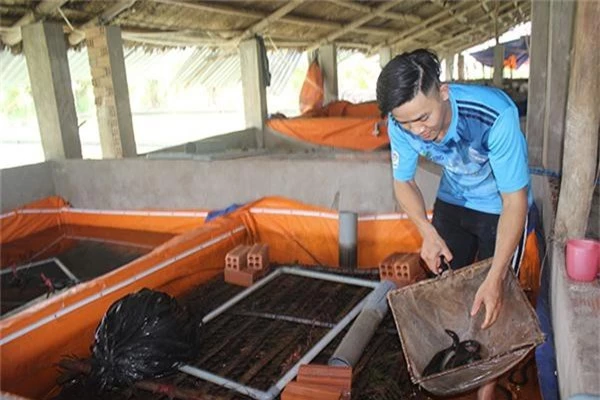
[{"x": 516, "y": 53}]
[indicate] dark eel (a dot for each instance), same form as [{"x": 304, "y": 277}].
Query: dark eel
[{"x": 459, "y": 353}]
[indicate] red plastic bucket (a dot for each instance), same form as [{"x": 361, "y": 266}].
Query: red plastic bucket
[{"x": 583, "y": 257}]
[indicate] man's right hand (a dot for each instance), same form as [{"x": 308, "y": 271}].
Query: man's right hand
[{"x": 432, "y": 249}]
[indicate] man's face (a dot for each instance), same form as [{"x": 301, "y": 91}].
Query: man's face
[{"x": 427, "y": 116}]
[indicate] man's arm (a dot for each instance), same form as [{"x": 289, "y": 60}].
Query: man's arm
[
  {"x": 410, "y": 198},
  {"x": 509, "y": 232}
]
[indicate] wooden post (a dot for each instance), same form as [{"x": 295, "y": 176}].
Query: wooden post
[
  {"x": 461, "y": 67},
  {"x": 328, "y": 63},
  {"x": 582, "y": 126}
]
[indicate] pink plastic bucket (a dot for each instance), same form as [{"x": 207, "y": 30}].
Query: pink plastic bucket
[{"x": 583, "y": 258}]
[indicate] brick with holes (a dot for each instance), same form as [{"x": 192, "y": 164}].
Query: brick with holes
[
  {"x": 402, "y": 268},
  {"x": 237, "y": 258},
  {"x": 258, "y": 257}
]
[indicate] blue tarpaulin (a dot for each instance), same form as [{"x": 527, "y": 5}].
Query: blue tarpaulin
[{"x": 516, "y": 52}]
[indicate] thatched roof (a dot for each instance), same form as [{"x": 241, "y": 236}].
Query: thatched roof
[{"x": 367, "y": 25}]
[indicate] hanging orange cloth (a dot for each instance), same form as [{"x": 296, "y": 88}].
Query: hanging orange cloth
[{"x": 311, "y": 94}]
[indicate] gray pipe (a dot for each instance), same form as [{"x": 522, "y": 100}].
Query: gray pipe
[
  {"x": 348, "y": 231},
  {"x": 360, "y": 333}
]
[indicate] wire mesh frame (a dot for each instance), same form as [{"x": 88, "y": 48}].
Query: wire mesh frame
[
  {"x": 51, "y": 260},
  {"x": 275, "y": 389}
]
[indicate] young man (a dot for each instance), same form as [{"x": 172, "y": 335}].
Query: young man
[{"x": 473, "y": 132}]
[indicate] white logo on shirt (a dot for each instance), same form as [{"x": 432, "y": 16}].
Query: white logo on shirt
[{"x": 395, "y": 159}]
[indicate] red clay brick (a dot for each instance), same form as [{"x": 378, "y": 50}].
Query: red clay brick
[
  {"x": 258, "y": 256},
  {"x": 334, "y": 377},
  {"x": 244, "y": 277},
  {"x": 237, "y": 258},
  {"x": 402, "y": 268},
  {"x": 306, "y": 391}
]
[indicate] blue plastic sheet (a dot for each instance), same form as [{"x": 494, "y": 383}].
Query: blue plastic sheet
[{"x": 518, "y": 48}]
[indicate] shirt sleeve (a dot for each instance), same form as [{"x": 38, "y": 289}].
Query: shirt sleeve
[
  {"x": 508, "y": 152},
  {"x": 404, "y": 157}
]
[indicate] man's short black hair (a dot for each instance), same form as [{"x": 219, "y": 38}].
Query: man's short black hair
[{"x": 404, "y": 76}]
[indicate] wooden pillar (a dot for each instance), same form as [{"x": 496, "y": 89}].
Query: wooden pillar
[
  {"x": 254, "y": 87},
  {"x": 498, "y": 65},
  {"x": 559, "y": 49},
  {"x": 46, "y": 55},
  {"x": 461, "y": 67},
  {"x": 538, "y": 73},
  {"x": 109, "y": 79},
  {"x": 580, "y": 162},
  {"x": 449, "y": 67},
  {"x": 328, "y": 63},
  {"x": 385, "y": 56}
]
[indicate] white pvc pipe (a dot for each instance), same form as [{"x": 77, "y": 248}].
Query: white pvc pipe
[
  {"x": 241, "y": 295},
  {"x": 25, "y": 266},
  {"x": 330, "y": 277},
  {"x": 308, "y": 357},
  {"x": 66, "y": 270},
  {"x": 316, "y": 349},
  {"x": 229, "y": 384}
]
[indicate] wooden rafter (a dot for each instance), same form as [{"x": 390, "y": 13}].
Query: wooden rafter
[
  {"x": 457, "y": 42},
  {"x": 478, "y": 25},
  {"x": 410, "y": 18},
  {"x": 355, "y": 24},
  {"x": 107, "y": 15},
  {"x": 407, "y": 33},
  {"x": 261, "y": 25},
  {"x": 434, "y": 26},
  {"x": 13, "y": 36},
  {"x": 461, "y": 32},
  {"x": 312, "y": 22}
]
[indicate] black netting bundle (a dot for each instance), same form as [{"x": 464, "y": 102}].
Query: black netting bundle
[{"x": 143, "y": 335}]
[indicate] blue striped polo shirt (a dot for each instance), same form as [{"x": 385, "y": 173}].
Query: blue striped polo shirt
[{"x": 483, "y": 153}]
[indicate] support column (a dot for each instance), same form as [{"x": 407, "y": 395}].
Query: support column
[
  {"x": 385, "y": 56},
  {"x": 538, "y": 67},
  {"x": 559, "y": 49},
  {"x": 254, "y": 88},
  {"x": 449, "y": 67},
  {"x": 461, "y": 67},
  {"x": 109, "y": 79},
  {"x": 580, "y": 160},
  {"x": 498, "y": 65},
  {"x": 46, "y": 55},
  {"x": 328, "y": 63}
]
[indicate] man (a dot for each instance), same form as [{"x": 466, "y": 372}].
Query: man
[{"x": 473, "y": 132}]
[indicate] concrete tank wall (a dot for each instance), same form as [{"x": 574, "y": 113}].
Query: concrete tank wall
[
  {"x": 347, "y": 182},
  {"x": 22, "y": 185}
]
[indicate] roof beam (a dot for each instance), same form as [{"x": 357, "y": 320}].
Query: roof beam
[
  {"x": 456, "y": 42},
  {"x": 195, "y": 38},
  {"x": 434, "y": 26},
  {"x": 408, "y": 32},
  {"x": 106, "y": 16},
  {"x": 383, "y": 7},
  {"x": 410, "y": 18},
  {"x": 261, "y": 25},
  {"x": 13, "y": 36},
  {"x": 237, "y": 11}
]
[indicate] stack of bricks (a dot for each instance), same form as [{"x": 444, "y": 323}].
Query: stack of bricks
[
  {"x": 402, "y": 268},
  {"x": 102, "y": 82},
  {"x": 245, "y": 264},
  {"x": 320, "y": 382}
]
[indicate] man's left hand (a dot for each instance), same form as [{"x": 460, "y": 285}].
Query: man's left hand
[{"x": 489, "y": 294}]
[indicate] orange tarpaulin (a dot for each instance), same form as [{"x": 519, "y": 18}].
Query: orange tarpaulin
[
  {"x": 311, "y": 94},
  {"x": 33, "y": 340},
  {"x": 340, "y": 124}
]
